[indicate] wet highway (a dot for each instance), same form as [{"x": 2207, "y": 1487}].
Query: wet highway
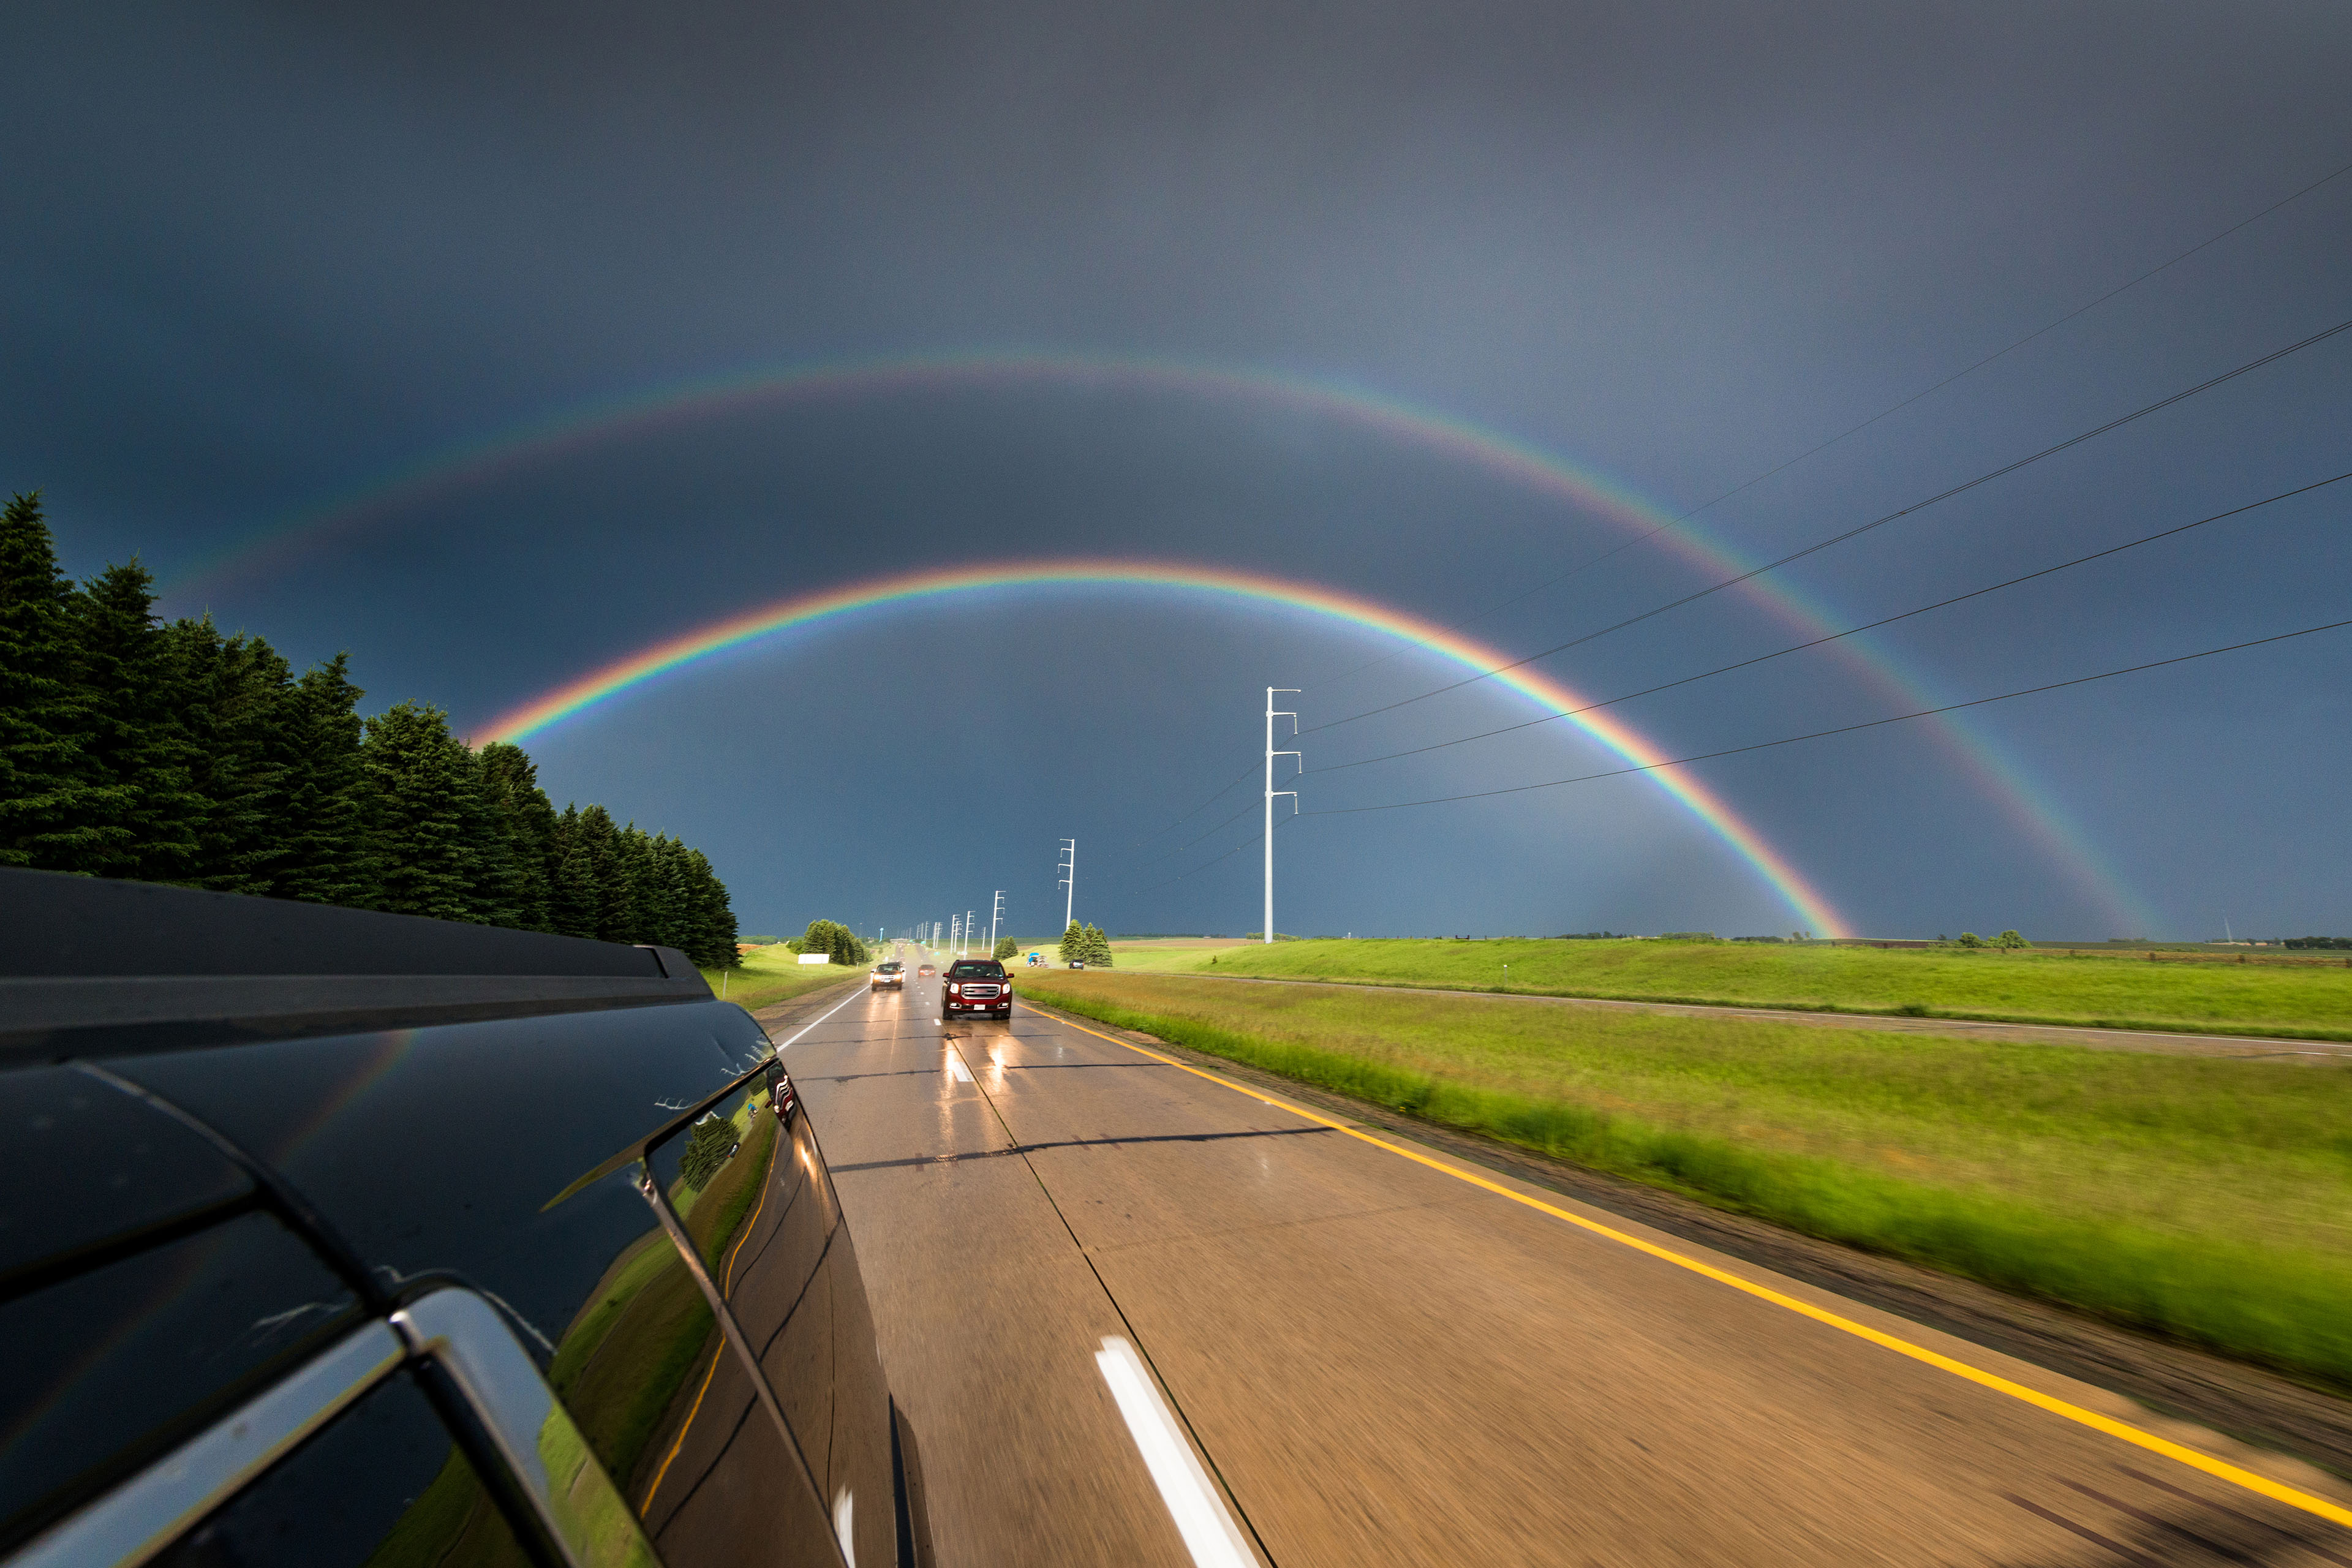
[{"x": 1139, "y": 1315}]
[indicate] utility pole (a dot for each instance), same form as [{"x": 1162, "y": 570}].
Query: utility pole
[
  {"x": 951, "y": 935},
  {"x": 1069, "y": 881},
  {"x": 995, "y": 913},
  {"x": 967, "y": 935},
  {"x": 1271, "y": 792}
]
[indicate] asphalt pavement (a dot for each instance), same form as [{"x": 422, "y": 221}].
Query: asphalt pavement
[{"x": 1138, "y": 1314}]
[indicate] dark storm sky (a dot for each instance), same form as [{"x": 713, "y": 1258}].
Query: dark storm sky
[{"x": 264, "y": 258}]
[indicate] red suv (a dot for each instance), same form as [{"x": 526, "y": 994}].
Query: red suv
[{"x": 976, "y": 985}]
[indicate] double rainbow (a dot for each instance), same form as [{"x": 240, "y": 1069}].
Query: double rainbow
[
  {"x": 833, "y": 605},
  {"x": 2035, "y": 815}
]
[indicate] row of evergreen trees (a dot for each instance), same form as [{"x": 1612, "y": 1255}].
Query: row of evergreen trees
[
  {"x": 176, "y": 754},
  {"x": 1085, "y": 945},
  {"x": 831, "y": 937}
]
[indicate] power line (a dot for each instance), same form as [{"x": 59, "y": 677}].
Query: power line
[
  {"x": 1205, "y": 805},
  {"x": 1811, "y": 451},
  {"x": 1841, "y": 730},
  {"x": 1834, "y": 636},
  {"x": 1857, "y": 532},
  {"x": 1203, "y": 865},
  {"x": 1857, "y": 429},
  {"x": 1210, "y": 834}
]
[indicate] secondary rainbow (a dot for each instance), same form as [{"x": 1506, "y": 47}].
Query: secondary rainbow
[
  {"x": 2035, "y": 813},
  {"x": 810, "y": 610}
]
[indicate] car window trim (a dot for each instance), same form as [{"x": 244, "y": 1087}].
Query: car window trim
[
  {"x": 459, "y": 1332},
  {"x": 465, "y": 1336},
  {"x": 145, "y": 1514}
]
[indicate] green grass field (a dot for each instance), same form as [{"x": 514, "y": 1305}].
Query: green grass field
[
  {"x": 2206, "y": 1198},
  {"x": 774, "y": 974},
  {"x": 2313, "y": 1003}
]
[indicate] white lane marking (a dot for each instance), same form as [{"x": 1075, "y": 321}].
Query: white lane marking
[
  {"x": 1209, "y": 1532},
  {"x": 829, "y": 1011},
  {"x": 955, "y": 1066}
]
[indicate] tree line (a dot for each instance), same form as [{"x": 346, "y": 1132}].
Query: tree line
[
  {"x": 840, "y": 944},
  {"x": 175, "y": 752}
]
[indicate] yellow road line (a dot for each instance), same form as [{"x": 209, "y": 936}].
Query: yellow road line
[
  {"x": 2222, "y": 1469},
  {"x": 726, "y": 1284}
]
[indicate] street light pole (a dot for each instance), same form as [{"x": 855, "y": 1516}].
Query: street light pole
[{"x": 1271, "y": 792}]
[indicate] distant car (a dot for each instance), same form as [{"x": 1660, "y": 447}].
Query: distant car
[
  {"x": 976, "y": 985},
  {"x": 1078, "y": 963},
  {"x": 891, "y": 974},
  {"x": 926, "y": 969}
]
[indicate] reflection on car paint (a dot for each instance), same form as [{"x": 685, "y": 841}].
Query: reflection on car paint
[
  {"x": 669, "y": 1412},
  {"x": 714, "y": 1439},
  {"x": 115, "y": 1365},
  {"x": 766, "y": 1224}
]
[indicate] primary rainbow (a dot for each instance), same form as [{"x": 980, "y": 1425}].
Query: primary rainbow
[{"x": 830, "y": 605}]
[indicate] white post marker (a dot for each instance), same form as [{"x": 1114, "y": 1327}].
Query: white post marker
[{"x": 1209, "y": 1532}]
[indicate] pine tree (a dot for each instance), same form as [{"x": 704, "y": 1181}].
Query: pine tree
[
  {"x": 634, "y": 854},
  {"x": 574, "y": 895},
  {"x": 831, "y": 938},
  {"x": 490, "y": 896},
  {"x": 1073, "y": 948},
  {"x": 676, "y": 921},
  {"x": 424, "y": 807},
  {"x": 145, "y": 816},
  {"x": 235, "y": 695},
  {"x": 526, "y": 819},
  {"x": 324, "y": 820},
  {"x": 616, "y": 910},
  {"x": 45, "y": 797},
  {"x": 1097, "y": 949},
  {"x": 713, "y": 918},
  {"x": 1005, "y": 948}
]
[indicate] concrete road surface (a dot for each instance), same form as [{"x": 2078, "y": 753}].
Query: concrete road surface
[{"x": 1348, "y": 1350}]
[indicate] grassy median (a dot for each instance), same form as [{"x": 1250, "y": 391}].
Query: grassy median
[
  {"x": 2201, "y": 1197},
  {"x": 2113, "y": 991}
]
